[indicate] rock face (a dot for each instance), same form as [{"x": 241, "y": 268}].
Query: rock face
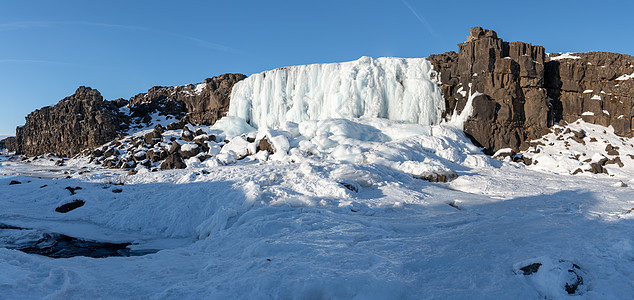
[
  {"x": 81, "y": 121},
  {"x": 525, "y": 91},
  {"x": 204, "y": 103},
  {"x": 85, "y": 120},
  {"x": 593, "y": 86},
  {"x": 514, "y": 104}
]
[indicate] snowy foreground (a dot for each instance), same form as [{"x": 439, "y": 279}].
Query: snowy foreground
[{"x": 350, "y": 220}]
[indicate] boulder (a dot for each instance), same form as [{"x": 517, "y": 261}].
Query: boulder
[{"x": 173, "y": 161}]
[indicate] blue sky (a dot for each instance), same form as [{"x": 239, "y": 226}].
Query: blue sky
[{"x": 121, "y": 48}]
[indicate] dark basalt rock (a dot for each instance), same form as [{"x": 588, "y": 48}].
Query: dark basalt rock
[
  {"x": 265, "y": 145},
  {"x": 85, "y": 120},
  {"x": 530, "y": 269},
  {"x": 173, "y": 161},
  {"x": 81, "y": 121},
  {"x": 514, "y": 104},
  {"x": 69, "y": 206},
  {"x": 203, "y": 105},
  {"x": 524, "y": 92}
]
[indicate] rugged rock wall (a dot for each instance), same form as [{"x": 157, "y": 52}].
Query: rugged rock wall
[
  {"x": 83, "y": 120},
  {"x": 594, "y": 86},
  {"x": 525, "y": 91},
  {"x": 204, "y": 103},
  {"x": 9, "y": 143},
  {"x": 514, "y": 104}
]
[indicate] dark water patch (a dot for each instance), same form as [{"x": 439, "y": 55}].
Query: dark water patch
[
  {"x": 64, "y": 208},
  {"x": 57, "y": 245}
]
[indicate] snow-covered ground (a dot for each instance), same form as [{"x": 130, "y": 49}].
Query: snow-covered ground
[{"x": 326, "y": 228}]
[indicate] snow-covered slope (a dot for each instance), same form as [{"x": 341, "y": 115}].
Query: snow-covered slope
[{"x": 392, "y": 88}]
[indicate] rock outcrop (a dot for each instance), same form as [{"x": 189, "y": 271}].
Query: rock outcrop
[
  {"x": 204, "y": 103},
  {"x": 85, "y": 120},
  {"x": 526, "y": 91},
  {"x": 81, "y": 121},
  {"x": 593, "y": 86},
  {"x": 514, "y": 102}
]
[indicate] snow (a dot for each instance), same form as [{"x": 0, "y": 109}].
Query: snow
[
  {"x": 587, "y": 113},
  {"x": 199, "y": 88},
  {"x": 625, "y": 77},
  {"x": 277, "y": 230},
  {"x": 588, "y": 91},
  {"x": 458, "y": 119},
  {"x": 595, "y": 97},
  {"x": 386, "y": 87},
  {"x": 558, "y": 152},
  {"x": 567, "y": 55}
]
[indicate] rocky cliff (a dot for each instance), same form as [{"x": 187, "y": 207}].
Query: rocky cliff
[
  {"x": 204, "y": 103},
  {"x": 524, "y": 91},
  {"x": 85, "y": 120},
  {"x": 597, "y": 87},
  {"x": 80, "y": 121}
]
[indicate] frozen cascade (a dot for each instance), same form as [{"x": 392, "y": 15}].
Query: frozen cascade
[{"x": 386, "y": 87}]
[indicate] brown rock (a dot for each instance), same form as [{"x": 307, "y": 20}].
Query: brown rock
[{"x": 173, "y": 161}]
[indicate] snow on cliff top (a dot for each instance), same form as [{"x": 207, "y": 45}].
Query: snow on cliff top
[{"x": 567, "y": 55}]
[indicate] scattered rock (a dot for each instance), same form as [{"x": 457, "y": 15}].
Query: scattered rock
[
  {"x": 14, "y": 182},
  {"x": 530, "y": 269},
  {"x": 173, "y": 161},
  {"x": 611, "y": 150},
  {"x": 350, "y": 186},
  {"x": 616, "y": 160},
  {"x": 72, "y": 189},
  {"x": 70, "y": 206},
  {"x": 187, "y": 135},
  {"x": 265, "y": 145}
]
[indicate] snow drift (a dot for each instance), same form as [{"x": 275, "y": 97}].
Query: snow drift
[{"x": 386, "y": 87}]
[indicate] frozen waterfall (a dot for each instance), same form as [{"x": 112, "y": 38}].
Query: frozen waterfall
[{"x": 386, "y": 87}]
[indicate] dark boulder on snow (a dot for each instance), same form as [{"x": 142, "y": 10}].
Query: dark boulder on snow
[
  {"x": 265, "y": 145},
  {"x": 173, "y": 161},
  {"x": 70, "y": 206}
]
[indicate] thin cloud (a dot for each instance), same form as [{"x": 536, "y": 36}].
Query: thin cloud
[
  {"x": 40, "y": 24},
  {"x": 23, "y": 25},
  {"x": 421, "y": 19},
  {"x": 205, "y": 44},
  {"x": 31, "y": 61}
]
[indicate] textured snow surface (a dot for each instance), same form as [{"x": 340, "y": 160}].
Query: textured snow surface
[
  {"x": 392, "y": 88},
  {"x": 561, "y": 153},
  {"x": 292, "y": 230},
  {"x": 567, "y": 55}
]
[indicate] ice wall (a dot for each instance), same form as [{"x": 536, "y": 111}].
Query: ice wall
[{"x": 386, "y": 87}]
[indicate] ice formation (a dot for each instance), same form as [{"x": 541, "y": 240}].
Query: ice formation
[{"x": 386, "y": 87}]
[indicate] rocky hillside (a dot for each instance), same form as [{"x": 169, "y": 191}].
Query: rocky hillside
[
  {"x": 80, "y": 121},
  {"x": 85, "y": 120},
  {"x": 525, "y": 91}
]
